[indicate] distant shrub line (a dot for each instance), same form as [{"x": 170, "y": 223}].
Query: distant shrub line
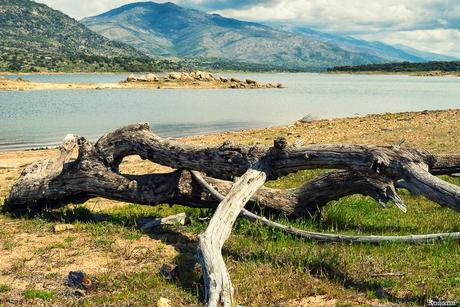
[{"x": 401, "y": 67}]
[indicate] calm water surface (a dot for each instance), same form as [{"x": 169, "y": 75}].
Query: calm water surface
[{"x": 43, "y": 118}]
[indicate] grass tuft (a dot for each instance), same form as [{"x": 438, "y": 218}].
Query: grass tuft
[
  {"x": 5, "y": 288},
  {"x": 38, "y": 294}
]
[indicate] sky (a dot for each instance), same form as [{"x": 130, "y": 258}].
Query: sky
[{"x": 429, "y": 25}]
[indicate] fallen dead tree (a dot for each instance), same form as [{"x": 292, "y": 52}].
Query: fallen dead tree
[{"x": 238, "y": 172}]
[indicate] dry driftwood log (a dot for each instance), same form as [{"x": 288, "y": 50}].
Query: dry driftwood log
[{"x": 370, "y": 170}]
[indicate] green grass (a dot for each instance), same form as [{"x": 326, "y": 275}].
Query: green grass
[
  {"x": 142, "y": 289},
  {"x": 269, "y": 265},
  {"x": 38, "y": 294},
  {"x": 429, "y": 270},
  {"x": 4, "y": 288}
]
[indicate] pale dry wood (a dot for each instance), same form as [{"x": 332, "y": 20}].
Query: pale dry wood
[
  {"x": 444, "y": 164},
  {"x": 420, "y": 181},
  {"x": 89, "y": 175},
  {"x": 86, "y": 177},
  {"x": 218, "y": 287},
  {"x": 231, "y": 159},
  {"x": 316, "y": 193},
  {"x": 326, "y": 237},
  {"x": 55, "y": 180}
]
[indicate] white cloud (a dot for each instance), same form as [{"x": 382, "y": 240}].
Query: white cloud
[
  {"x": 430, "y": 25},
  {"x": 79, "y": 9},
  {"x": 350, "y": 16}
]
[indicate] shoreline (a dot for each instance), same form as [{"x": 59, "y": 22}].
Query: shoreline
[
  {"x": 396, "y": 73},
  {"x": 402, "y": 73},
  {"x": 351, "y": 122},
  {"x": 51, "y": 73}
]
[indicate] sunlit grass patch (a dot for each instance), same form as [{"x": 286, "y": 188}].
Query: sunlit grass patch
[
  {"x": 294, "y": 180},
  {"x": 38, "y": 294}
]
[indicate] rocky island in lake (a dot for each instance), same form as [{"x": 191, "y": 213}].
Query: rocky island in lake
[
  {"x": 174, "y": 80},
  {"x": 195, "y": 79}
]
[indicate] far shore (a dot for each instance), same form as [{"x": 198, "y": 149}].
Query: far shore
[
  {"x": 401, "y": 73},
  {"x": 18, "y": 85},
  {"x": 48, "y": 73},
  {"x": 174, "y": 80}
]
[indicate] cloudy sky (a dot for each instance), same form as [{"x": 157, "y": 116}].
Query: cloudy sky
[{"x": 430, "y": 25}]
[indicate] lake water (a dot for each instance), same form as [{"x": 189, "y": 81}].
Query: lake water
[{"x": 42, "y": 118}]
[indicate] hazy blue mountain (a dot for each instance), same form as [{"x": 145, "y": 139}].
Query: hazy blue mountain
[
  {"x": 428, "y": 56},
  {"x": 170, "y": 30},
  {"x": 405, "y": 53},
  {"x": 388, "y": 52}
]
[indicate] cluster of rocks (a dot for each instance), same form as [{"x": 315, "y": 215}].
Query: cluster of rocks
[
  {"x": 434, "y": 73},
  {"x": 192, "y": 76},
  {"x": 174, "y": 76},
  {"x": 143, "y": 78},
  {"x": 201, "y": 76},
  {"x": 248, "y": 83}
]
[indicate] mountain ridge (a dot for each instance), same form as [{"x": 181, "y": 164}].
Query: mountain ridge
[
  {"x": 171, "y": 30},
  {"x": 168, "y": 30},
  {"x": 60, "y": 31},
  {"x": 432, "y": 56},
  {"x": 407, "y": 53},
  {"x": 36, "y": 37}
]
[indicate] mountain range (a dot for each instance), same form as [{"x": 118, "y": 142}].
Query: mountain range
[
  {"x": 385, "y": 51},
  {"x": 170, "y": 30},
  {"x": 148, "y": 36}
]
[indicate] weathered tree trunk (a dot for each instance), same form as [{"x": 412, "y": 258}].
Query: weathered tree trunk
[
  {"x": 364, "y": 169},
  {"x": 94, "y": 173},
  {"x": 57, "y": 182}
]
